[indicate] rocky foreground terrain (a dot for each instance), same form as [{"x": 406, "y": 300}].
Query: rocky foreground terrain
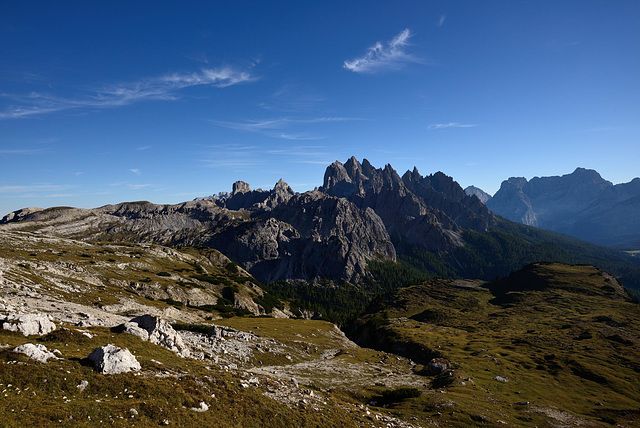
[
  {"x": 146, "y": 335},
  {"x": 69, "y": 310},
  {"x": 214, "y": 312}
]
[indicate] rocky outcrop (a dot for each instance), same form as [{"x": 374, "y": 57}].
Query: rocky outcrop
[
  {"x": 307, "y": 236},
  {"x": 429, "y": 210},
  {"x": 36, "y": 352},
  {"x": 157, "y": 331},
  {"x": 478, "y": 193},
  {"x": 28, "y": 324},
  {"x": 582, "y": 204},
  {"x": 20, "y": 215},
  {"x": 111, "y": 359},
  {"x": 513, "y": 203}
]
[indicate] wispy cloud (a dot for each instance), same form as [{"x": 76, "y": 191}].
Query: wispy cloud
[
  {"x": 384, "y": 57},
  {"x": 242, "y": 157},
  {"x": 34, "y": 188},
  {"x": 292, "y": 97},
  {"x": 159, "y": 88},
  {"x": 142, "y": 148},
  {"x": 231, "y": 156},
  {"x": 284, "y": 127},
  {"x": 435, "y": 126},
  {"x": 136, "y": 171},
  {"x": 441, "y": 21},
  {"x": 135, "y": 186},
  {"x": 21, "y": 151}
]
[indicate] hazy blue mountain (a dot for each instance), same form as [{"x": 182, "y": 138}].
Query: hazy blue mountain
[
  {"x": 581, "y": 204},
  {"x": 477, "y": 192}
]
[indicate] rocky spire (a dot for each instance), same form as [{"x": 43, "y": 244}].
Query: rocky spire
[{"x": 240, "y": 187}]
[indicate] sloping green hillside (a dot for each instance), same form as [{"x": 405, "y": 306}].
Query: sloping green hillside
[
  {"x": 510, "y": 246},
  {"x": 551, "y": 342}
]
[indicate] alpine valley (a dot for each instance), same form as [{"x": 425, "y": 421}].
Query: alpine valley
[{"x": 374, "y": 300}]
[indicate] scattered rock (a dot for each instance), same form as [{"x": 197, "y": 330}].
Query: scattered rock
[
  {"x": 111, "y": 359},
  {"x": 82, "y": 385},
  {"x": 35, "y": 352},
  {"x": 501, "y": 379},
  {"x": 157, "y": 331},
  {"x": 203, "y": 407},
  {"x": 438, "y": 365},
  {"x": 28, "y": 324}
]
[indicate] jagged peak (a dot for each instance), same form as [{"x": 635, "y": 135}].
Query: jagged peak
[
  {"x": 282, "y": 185},
  {"x": 240, "y": 187},
  {"x": 366, "y": 165}
]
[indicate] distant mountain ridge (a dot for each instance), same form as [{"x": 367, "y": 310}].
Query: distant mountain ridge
[
  {"x": 580, "y": 204},
  {"x": 477, "y": 192},
  {"x": 361, "y": 220}
]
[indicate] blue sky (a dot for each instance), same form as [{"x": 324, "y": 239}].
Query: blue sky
[{"x": 104, "y": 102}]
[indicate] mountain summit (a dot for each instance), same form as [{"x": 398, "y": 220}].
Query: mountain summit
[
  {"x": 430, "y": 211},
  {"x": 361, "y": 219},
  {"x": 581, "y": 204}
]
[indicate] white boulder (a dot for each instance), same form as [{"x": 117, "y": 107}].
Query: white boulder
[
  {"x": 28, "y": 324},
  {"x": 35, "y": 352},
  {"x": 157, "y": 331},
  {"x": 111, "y": 359}
]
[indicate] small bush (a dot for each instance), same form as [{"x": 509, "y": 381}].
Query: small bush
[
  {"x": 586, "y": 334},
  {"x": 390, "y": 396},
  {"x": 172, "y": 302},
  {"x": 163, "y": 274}
]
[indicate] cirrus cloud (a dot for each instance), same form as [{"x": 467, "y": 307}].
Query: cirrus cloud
[
  {"x": 384, "y": 57},
  {"x": 164, "y": 87}
]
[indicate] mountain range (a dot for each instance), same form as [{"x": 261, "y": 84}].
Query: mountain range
[
  {"x": 211, "y": 301},
  {"x": 580, "y": 204},
  {"x": 360, "y": 215}
]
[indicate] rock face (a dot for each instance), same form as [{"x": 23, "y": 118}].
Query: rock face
[
  {"x": 36, "y": 352},
  {"x": 157, "y": 331},
  {"x": 307, "y": 236},
  {"x": 110, "y": 359},
  {"x": 20, "y": 214},
  {"x": 273, "y": 234},
  {"x": 582, "y": 204},
  {"x": 28, "y": 324},
  {"x": 429, "y": 210},
  {"x": 478, "y": 193}
]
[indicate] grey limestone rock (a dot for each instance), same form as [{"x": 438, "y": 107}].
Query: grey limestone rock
[
  {"x": 28, "y": 324},
  {"x": 428, "y": 211},
  {"x": 36, "y": 352},
  {"x": 111, "y": 359},
  {"x": 478, "y": 193},
  {"x": 438, "y": 365},
  {"x": 157, "y": 331},
  {"x": 240, "y": 187}
]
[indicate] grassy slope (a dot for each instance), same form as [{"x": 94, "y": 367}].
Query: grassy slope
[
  {"x": 37, "y": 394},
  {"x": 103, "y": 273},
  {"x": 510, "y": 246},
  {"x": 566, "y": 340}
]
